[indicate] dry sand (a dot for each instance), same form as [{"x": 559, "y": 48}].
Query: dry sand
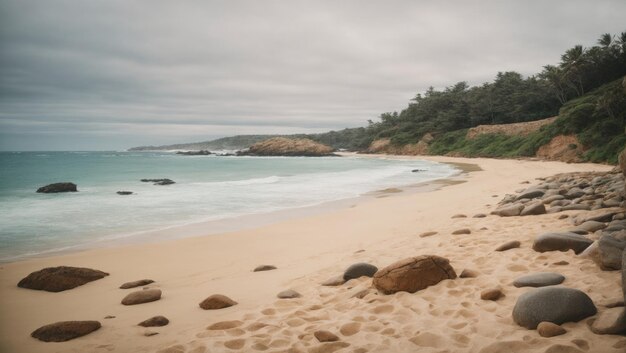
[{"x": 447, "y": 317}]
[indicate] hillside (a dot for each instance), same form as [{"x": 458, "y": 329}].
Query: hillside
[{"x": 224, "y": 143}]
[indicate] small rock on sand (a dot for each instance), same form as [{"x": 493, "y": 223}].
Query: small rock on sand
[
  {"x": 58, "y": 279},
  {"x": 155, "y": 321},
  {"x": 413, "y": 274},
  {"x": 548, "y": 329},
  {"x": 480, "y": 215},
  {"x": 264, "y": 268},
  {"x": 491, "y": 294},
  {"x": 509, "y": 245},
  {"x": 138, "y": 283},
  {"x": 217, "y": 301},
  {"x": 65, "y": 330},
  {"x": 427, "y": 234},
  {"x": 462, "y": 231},
  {"x": 467, "y": 273},
  {"x": 142, "y": 296},
  {"x": 540, "y": 279},
  {"x": 359, "y": 270},
  {"x": 459, "y": 216},
  {"x": 288, "y": 294},
  {"x": 325, "y": 336},
  {"x": 150, "y": 333}
]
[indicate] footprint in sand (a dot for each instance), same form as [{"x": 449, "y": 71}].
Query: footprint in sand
[
  {"x": 350, "y": 329},
  {"x": 383, "y": 309},
  {"x": 517, "y": 268},
  {"x": 268, "y": 311},
  {"x": 428, "y": 339},
  {"x": 235, "y": 344}
]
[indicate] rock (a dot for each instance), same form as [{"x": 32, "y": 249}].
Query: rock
[
  {"x": 225, "y": 325},
  {"x": 467, "y": 273},
  {"x": 427, "y": 234},
  {"x": 124, "y": 192},
  {"x": 150, "y": 333},
  {"x": 288, "y": 294},
  {"x": 109, "y": 317},
  {"x": 283, "y": 146},
  {"x": 58, "y": 279},
  {"x": 413, "y": 274},
  {"x": 531, "y": 193},
  {"x": 462, "y": 231},
  {"x": 552, "y": 304},
  {"x": 576, "y": 207},
  {"x": 509, "y": 245},
  {"x": 561, "y": 242},
  {"x": 325, "y": 336},
  {"x": 610, "y": 252},
  {"x": 592, "y": 226},
  {"x": 480, "y": 215},
  {"x": 134, "y": 284},
  {"x": 155, "y": 321},
  {"x": 58, "y": 187},
  {"x": 549, "y": 199},
  {"x": 574, "y": 193},
  {"x": 159, "y": 181},
  {"x": 65, "y": 330},
  {"x": 459, "y": 216},
  {"x": 359, "y": 270},
  {"x": 217, "y": 301},
  {"x": 195, "y": 153},
  {"x": 536, "y": 208},
  {"x": 561, "y": 263},
  {"x": 491, "y": 294},
  {"x": 142, "y": 296},
  {"x": 334, "y": 281},
  {"x": 540, "y": 279},
  {"x": 610, "y": 322},
  {"x": 509, "y": 211},
  {"x": 264, "y": 268},
  {"x": 604, "y": 216},
  {"x": 548, "y": 329}
]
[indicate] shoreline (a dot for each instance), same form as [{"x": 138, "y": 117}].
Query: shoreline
[
  {"x": 240, "y": 222},
  {"x": 307, "y": 250}
]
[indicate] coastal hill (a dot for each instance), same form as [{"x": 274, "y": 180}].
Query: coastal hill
[{"x": 585, "y": 91}]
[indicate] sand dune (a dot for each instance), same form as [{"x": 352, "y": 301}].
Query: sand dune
[{"x": 447, "y": 317}]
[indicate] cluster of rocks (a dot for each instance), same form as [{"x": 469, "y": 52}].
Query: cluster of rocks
[
  {"x": 159, "y": 181},
  {"x": 71, "y": 187},
  {"x": 195, "y": 153}
]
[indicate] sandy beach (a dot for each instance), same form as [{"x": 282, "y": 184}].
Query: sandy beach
[{"x": 307, "y": 250}]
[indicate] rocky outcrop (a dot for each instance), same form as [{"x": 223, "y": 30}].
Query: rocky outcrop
[
  {"x": 282, "y": 146},
  {"x": 413, "y": 274},
  {"x": 217, "y": 301},
  {"x": 195, "y": 153},
  {"x": 65, "y": 330},
  {"x": 412, "y": 149},
  {"x": 565, "y": 148},
  {"x": 553, "y": 304},
  {"x": 58, "y": 187},
  {"x": 514, "y": 129},
  {"x": 159, "y": 181},
  {"x": 142, "y": 296},
  {"x": 359, "y": 270},
  {"x": 58, "y": 279}
]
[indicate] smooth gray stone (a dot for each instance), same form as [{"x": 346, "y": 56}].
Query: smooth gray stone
[
  {"x": 541, "y": 279},
  {"x": 561, "y": 242}
]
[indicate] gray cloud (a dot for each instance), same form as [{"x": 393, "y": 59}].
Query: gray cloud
[{"x": 113, "y": 74}]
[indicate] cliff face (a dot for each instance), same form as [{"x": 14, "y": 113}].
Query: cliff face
[{"x": 282, "y": 146}]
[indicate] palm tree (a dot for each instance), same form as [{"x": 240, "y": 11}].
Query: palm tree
[
  {"x": 605, "y": 40},
  {"x": 573, "y": 63}
]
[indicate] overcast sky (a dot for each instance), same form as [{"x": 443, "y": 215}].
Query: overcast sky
[{"x": 94, "y": 75}]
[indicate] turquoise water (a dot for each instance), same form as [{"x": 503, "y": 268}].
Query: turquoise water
[{"x": 207, "y": 188}]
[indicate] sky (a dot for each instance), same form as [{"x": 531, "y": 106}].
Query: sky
[{"x": 110, "y": 75}]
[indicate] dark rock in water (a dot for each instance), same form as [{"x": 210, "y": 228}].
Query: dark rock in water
[
  {"x": 413, "y": 274},
  {"x": 217, "y": 301},
  {"x": 195, "y": 153},
  {"x": 359, "y": 270},
  {"x": 540, "y": 279},
  {"x": 138, "y": 283},
  {"x": 610, "y": 250},
  {"x": 561, "y": 242},
  {"x": 142, "y": 296},
  {"x": 58, "y": 187},
  {"x": 552, "y": 304},
  {"x": 264, "y": 268},
  {"x": 155, "y": 321},
  {"x": 124, "y": 192},
  {"x": 509, "y": 245},
  {"x": 418, "y": 170},
  {"x": 159, "y": 181},
  {"x": 58, "y": 279},
  {"x": 65, "y": 330}
]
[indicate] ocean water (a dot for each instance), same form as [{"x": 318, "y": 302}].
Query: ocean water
[{"x": 207, "y": 188}]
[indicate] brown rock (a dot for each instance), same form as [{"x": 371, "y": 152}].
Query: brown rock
[
  {"x": 142, "y": 296},
  {"x": 150, "y": 333},
  {"x": 548, "y": 329},
  {"x": 264, "y": 268},
  {"x": 325, "y": 336},
  {"x": 611, "y": 321},
  {"x": 65, "y": 330},
  {"x": 155, "y": 321},
  {"x": 509, "y": 245},
  {"x": 459, "y": 216},
  {"x": 217, "y": 301},
  {"x": 225, "y": 325},
  {"x": 413, "y": 274},
  {"x": 282, "y": 146},
  {"x": 491, "y": 294},
  {"x": 288, "y": 294},
  {"x": 536, "y": 208},
  {"x": 427, "y": 234},
  {"x": 467, "y": 273},
  {"x": 138, "y": 283},
  {"x": 462, "y": 231},
  {"x": 58, "y": 279}
]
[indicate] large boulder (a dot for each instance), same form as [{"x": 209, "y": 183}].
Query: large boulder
[
  {"x": 413, "y": 274},
  {"x": 58, "y": 279},
  {"x": 610, "y": 250},
  {"x": 561, "y": 242},
  {"x": 65, "y": 330},
  {"x": 142, "y": 296},
  {"x": 541, "y": 279},
  {"x": 553, "y": 304},
  {"x": 359, "y": 270},
  {"x": 58, "y": 187},
  {"x": 283, "y": 146}
]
